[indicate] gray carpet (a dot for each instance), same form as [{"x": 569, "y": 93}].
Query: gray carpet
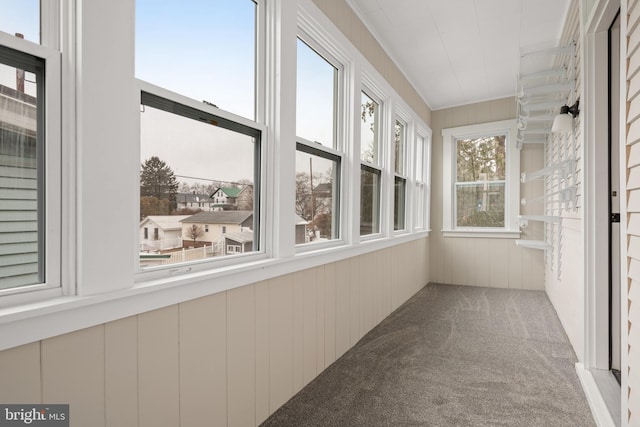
[{"x": 451, "y": 356}]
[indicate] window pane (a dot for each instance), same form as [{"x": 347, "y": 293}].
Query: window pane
[
  {"x": 369, "y": 130},
  {"x": 480, "y": 205},
  {"x": 21, "y": 17},
  {"x": 399, "y": 192},
  {"x": 198, "y": 186},
  {"x": 316, "y": 198},
  {"x": 420, "y": 158},
  {"x": 369, "y": 201},
  {"x": 481, "y": 159},
  {"x": 399, "y": 147},
  {"x": 203, "y": 50},
  {"x": 21, "y": 149},
  {"x": 421, "y": 205},
  {"x": 316, "y": 97}
]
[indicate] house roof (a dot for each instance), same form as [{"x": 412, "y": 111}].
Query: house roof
[
  {"x": 240, "y": 237},
  {"x": 219, "y": 217},
  {"x": 229, "y": 191},
  {"x": 325, "y": 187},
  {"x": 165, "y": 222}
]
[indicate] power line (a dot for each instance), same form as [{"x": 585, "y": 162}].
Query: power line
[{"x": 213, "y": 180}]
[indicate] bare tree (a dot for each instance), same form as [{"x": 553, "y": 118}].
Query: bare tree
[{"x": 194, "y": 232}]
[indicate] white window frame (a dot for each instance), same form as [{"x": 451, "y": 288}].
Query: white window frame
[
  {"x": 422, "y": 183},
  {"x": 143, "y": 275},
  {"x": 404, "y": 119},
  {"x": 317, "y": 40},
  {"x": 372, "y": 89},
  {"x": 512, "y": 179},
  {"x": 263, "y": 31},
  {"x": 49, "y": 52}
]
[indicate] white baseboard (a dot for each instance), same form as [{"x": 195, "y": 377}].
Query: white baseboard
[{"x": 599, "y": 409}]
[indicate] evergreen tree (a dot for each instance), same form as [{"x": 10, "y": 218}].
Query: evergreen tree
[{"x": 158, "y": 180}]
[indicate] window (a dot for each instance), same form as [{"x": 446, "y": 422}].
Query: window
[
  {"x": 316, "y": 91},
  {"x": 198, "y": 134},
  {"x": 317, "y": 195},
  {"x": 186, "y": 31},
  {"x": 318, "y": 157},
  {"x": 370, "y": 169},
  {"x": 369, "y": 200},
  {"x": 481, "y": 178},
  {"x": 21, "y": 162},
  {"x": 156, "y": 234},
  {"x": 400, "y": 180},
  {"x": 146, "y": 233},
  {"x": 423, "y": 150},
  {"x": 369, "y": 132},
  {"x": 30, "y": 189},
  {"x": 175, "y": 138}
]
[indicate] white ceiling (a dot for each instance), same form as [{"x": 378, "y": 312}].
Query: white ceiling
[{"x": 457, "y": 52}]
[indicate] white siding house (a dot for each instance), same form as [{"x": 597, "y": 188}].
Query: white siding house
[
  {"x": 194, "y": 201},
  {"x": 210, "y": 228},
  {"x": 161, "y": 232},
  {"x": 226, "y": 198},
  {"x": 18, "y": 189}
]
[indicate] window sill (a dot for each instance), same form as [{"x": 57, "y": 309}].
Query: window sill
[{"x": 484, "y": 234}]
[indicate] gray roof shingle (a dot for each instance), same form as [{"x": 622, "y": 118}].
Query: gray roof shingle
[{"x": 219, "y": 217}]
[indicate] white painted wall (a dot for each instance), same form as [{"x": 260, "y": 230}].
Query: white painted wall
[
  {"x": 564, "y": 275},
  {"x": 231, "y": 358}
]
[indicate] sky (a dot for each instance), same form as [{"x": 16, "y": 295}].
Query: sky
[
  {"x": 19, "y": 16},
  {"x": 196, "y": 149},
  {"x": 205, "y": 50},
  {"x": 314, "y": 97}
]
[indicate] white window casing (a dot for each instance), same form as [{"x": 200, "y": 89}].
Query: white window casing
[
  {"x": 423, "y": 178},
  {"x": 512, "y": 180}
]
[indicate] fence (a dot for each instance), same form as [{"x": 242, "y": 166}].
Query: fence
[{"x": 160, "y": 245}]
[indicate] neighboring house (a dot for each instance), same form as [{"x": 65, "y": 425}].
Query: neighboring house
[
  {"x": 214, "y": 225},
  {"x": 161, "y": 232},
  {"x": 244, "y": 200},
  {"x": 301, "y": 230},
  {"x": 322, "y": 194},
  {"x": 323, "y": 190},
  {"x": 18, "y": 146},
  {"x": 194, "y": 201},
  {"x": 226, "y": 198},
  {"x": 238, "y": 242}
]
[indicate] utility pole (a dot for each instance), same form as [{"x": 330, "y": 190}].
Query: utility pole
[{"x": 313, "y": 202}]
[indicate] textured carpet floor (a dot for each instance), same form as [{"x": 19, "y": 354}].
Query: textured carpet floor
[{"x": 451, "y": 356}]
